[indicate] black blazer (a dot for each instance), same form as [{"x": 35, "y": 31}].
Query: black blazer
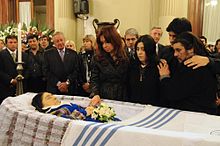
[
  {"x": 8, "y": 72},
  {"x": 188, "y": 89},
  {"x": 56, "y": 70},
  {"x": 109, "y": 79},
  {"x": 161, "y": 50}
]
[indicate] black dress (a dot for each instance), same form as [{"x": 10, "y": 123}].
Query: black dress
[{"x": 143, "y": 84}]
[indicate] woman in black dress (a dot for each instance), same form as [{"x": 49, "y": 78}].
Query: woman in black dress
[
  {"x": 109, "y": 66},
  {"x": 143, "y": 73}
]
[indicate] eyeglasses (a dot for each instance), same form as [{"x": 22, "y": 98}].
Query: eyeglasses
[{"x": 133, "y": 39}]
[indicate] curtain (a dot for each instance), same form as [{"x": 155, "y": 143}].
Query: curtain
[
  {"x": 195, "y": 15},
  {"x": 211, "y": 23}
]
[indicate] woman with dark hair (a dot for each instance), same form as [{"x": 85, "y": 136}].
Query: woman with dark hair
[
  {"x": 143, "y": 74},
  {"x": 217, "y": 45},
  {"x": 187, "y": 88},
  {"x": 110, "y": 65}
]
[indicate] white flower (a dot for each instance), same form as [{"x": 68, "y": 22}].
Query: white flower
[
  {"x": 103, "y": 113},
  {"x": 34, "y": 28}
]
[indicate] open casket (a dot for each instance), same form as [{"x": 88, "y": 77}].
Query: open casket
[{"x": 147, "y": 125}]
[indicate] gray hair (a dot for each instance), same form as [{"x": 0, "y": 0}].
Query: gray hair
[
  {"x": 58, "y": 33},
  {"x": 131, "y": 31}
]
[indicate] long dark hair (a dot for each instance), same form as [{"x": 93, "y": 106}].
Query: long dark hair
[
  {"x": 216, "y": 43},
  {"x": 111, "y": 36},
  {"x": 149, "y": 48},
  {"x": 189, "y": 41},
  {"x": 37, "y": 102}
]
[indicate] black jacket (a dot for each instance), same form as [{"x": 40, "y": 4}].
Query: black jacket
[
  {"x": 56, "y": 70},
  {"x": 84, "y": 75},
  {"x": 109, "y": 78},
  {"x": 188, "y": 89},
  {"x": 8, "y": 72}
]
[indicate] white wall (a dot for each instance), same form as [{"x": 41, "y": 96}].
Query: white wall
[
  {"x": 140, "y": 14},
  {"x": 130, "y": 13}
]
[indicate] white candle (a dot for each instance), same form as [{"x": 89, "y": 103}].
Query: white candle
[{"x": 19, "y": 44}]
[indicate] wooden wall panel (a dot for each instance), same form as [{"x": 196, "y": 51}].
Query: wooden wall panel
[
  {"x": 3, "y": 11},
  {"x": 195, "y": 15},
  {"x": 50, "y": 13}
]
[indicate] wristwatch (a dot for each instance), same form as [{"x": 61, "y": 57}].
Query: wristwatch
[{"x": 68, "y": 82}]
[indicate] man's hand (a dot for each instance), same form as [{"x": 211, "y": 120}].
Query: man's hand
[
  {"x": 63, "y": 87},
  {"x": 86, "y": 87},
  {"x": 14, "y": 82},
  {"x": 163, "y": 68},
  {"x": 217, "y": 101},
  {"x": 196, "y": 61}
]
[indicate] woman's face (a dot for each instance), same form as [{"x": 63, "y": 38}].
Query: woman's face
[
  {"x": 141, "y": 54},
  {"x": 181, "y": 53},
  {"x": 108, "y": 47},
  {"x": 70, "y": 46},
  {"x": 49, "y": 99},
  {"x": 87, "y": 44}
]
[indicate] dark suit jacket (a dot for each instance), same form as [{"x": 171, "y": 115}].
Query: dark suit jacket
[
  {"x": 161, "y": 50},
  {"x": 188, "y": 89},
  {"x": 56, "y": 70},
  {"x": 109, "y": 79},
  {"x": 8, "y": 72}
]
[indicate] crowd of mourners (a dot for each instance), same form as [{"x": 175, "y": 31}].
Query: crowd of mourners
[{"x": 132, "y": 68}]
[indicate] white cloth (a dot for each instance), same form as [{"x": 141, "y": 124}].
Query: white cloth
[
  {"x": 152, "y": 127},
  {"x": 21, "y": 125},
  {"x": 140, "y": 125}
]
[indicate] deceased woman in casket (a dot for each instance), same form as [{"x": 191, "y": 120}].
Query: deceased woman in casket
[{"x": 47, "y": 103}]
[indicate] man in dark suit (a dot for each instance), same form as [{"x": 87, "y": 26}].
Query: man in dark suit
[
  {"x": 156, "y": 33},
  {"x": 61, "y": 67},
  {"x": 8, "y": 72},
  {"x": 131, "y": 36}
]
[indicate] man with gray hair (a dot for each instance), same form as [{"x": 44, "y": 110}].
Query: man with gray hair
[
  {"x": 61, "y": 67},
  {"x": 131, "y": 36}
]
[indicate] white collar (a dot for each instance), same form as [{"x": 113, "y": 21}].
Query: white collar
[
  {"x": 11, "y": 51},
  {"x": 55, "y": 106},
  {"x": 64, "y": 49}
]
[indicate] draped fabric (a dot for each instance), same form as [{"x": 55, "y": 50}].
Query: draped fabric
[{"x": 211, "y": 22}]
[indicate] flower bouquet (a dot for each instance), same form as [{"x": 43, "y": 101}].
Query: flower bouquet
[{"x": 103, "y": 113}]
